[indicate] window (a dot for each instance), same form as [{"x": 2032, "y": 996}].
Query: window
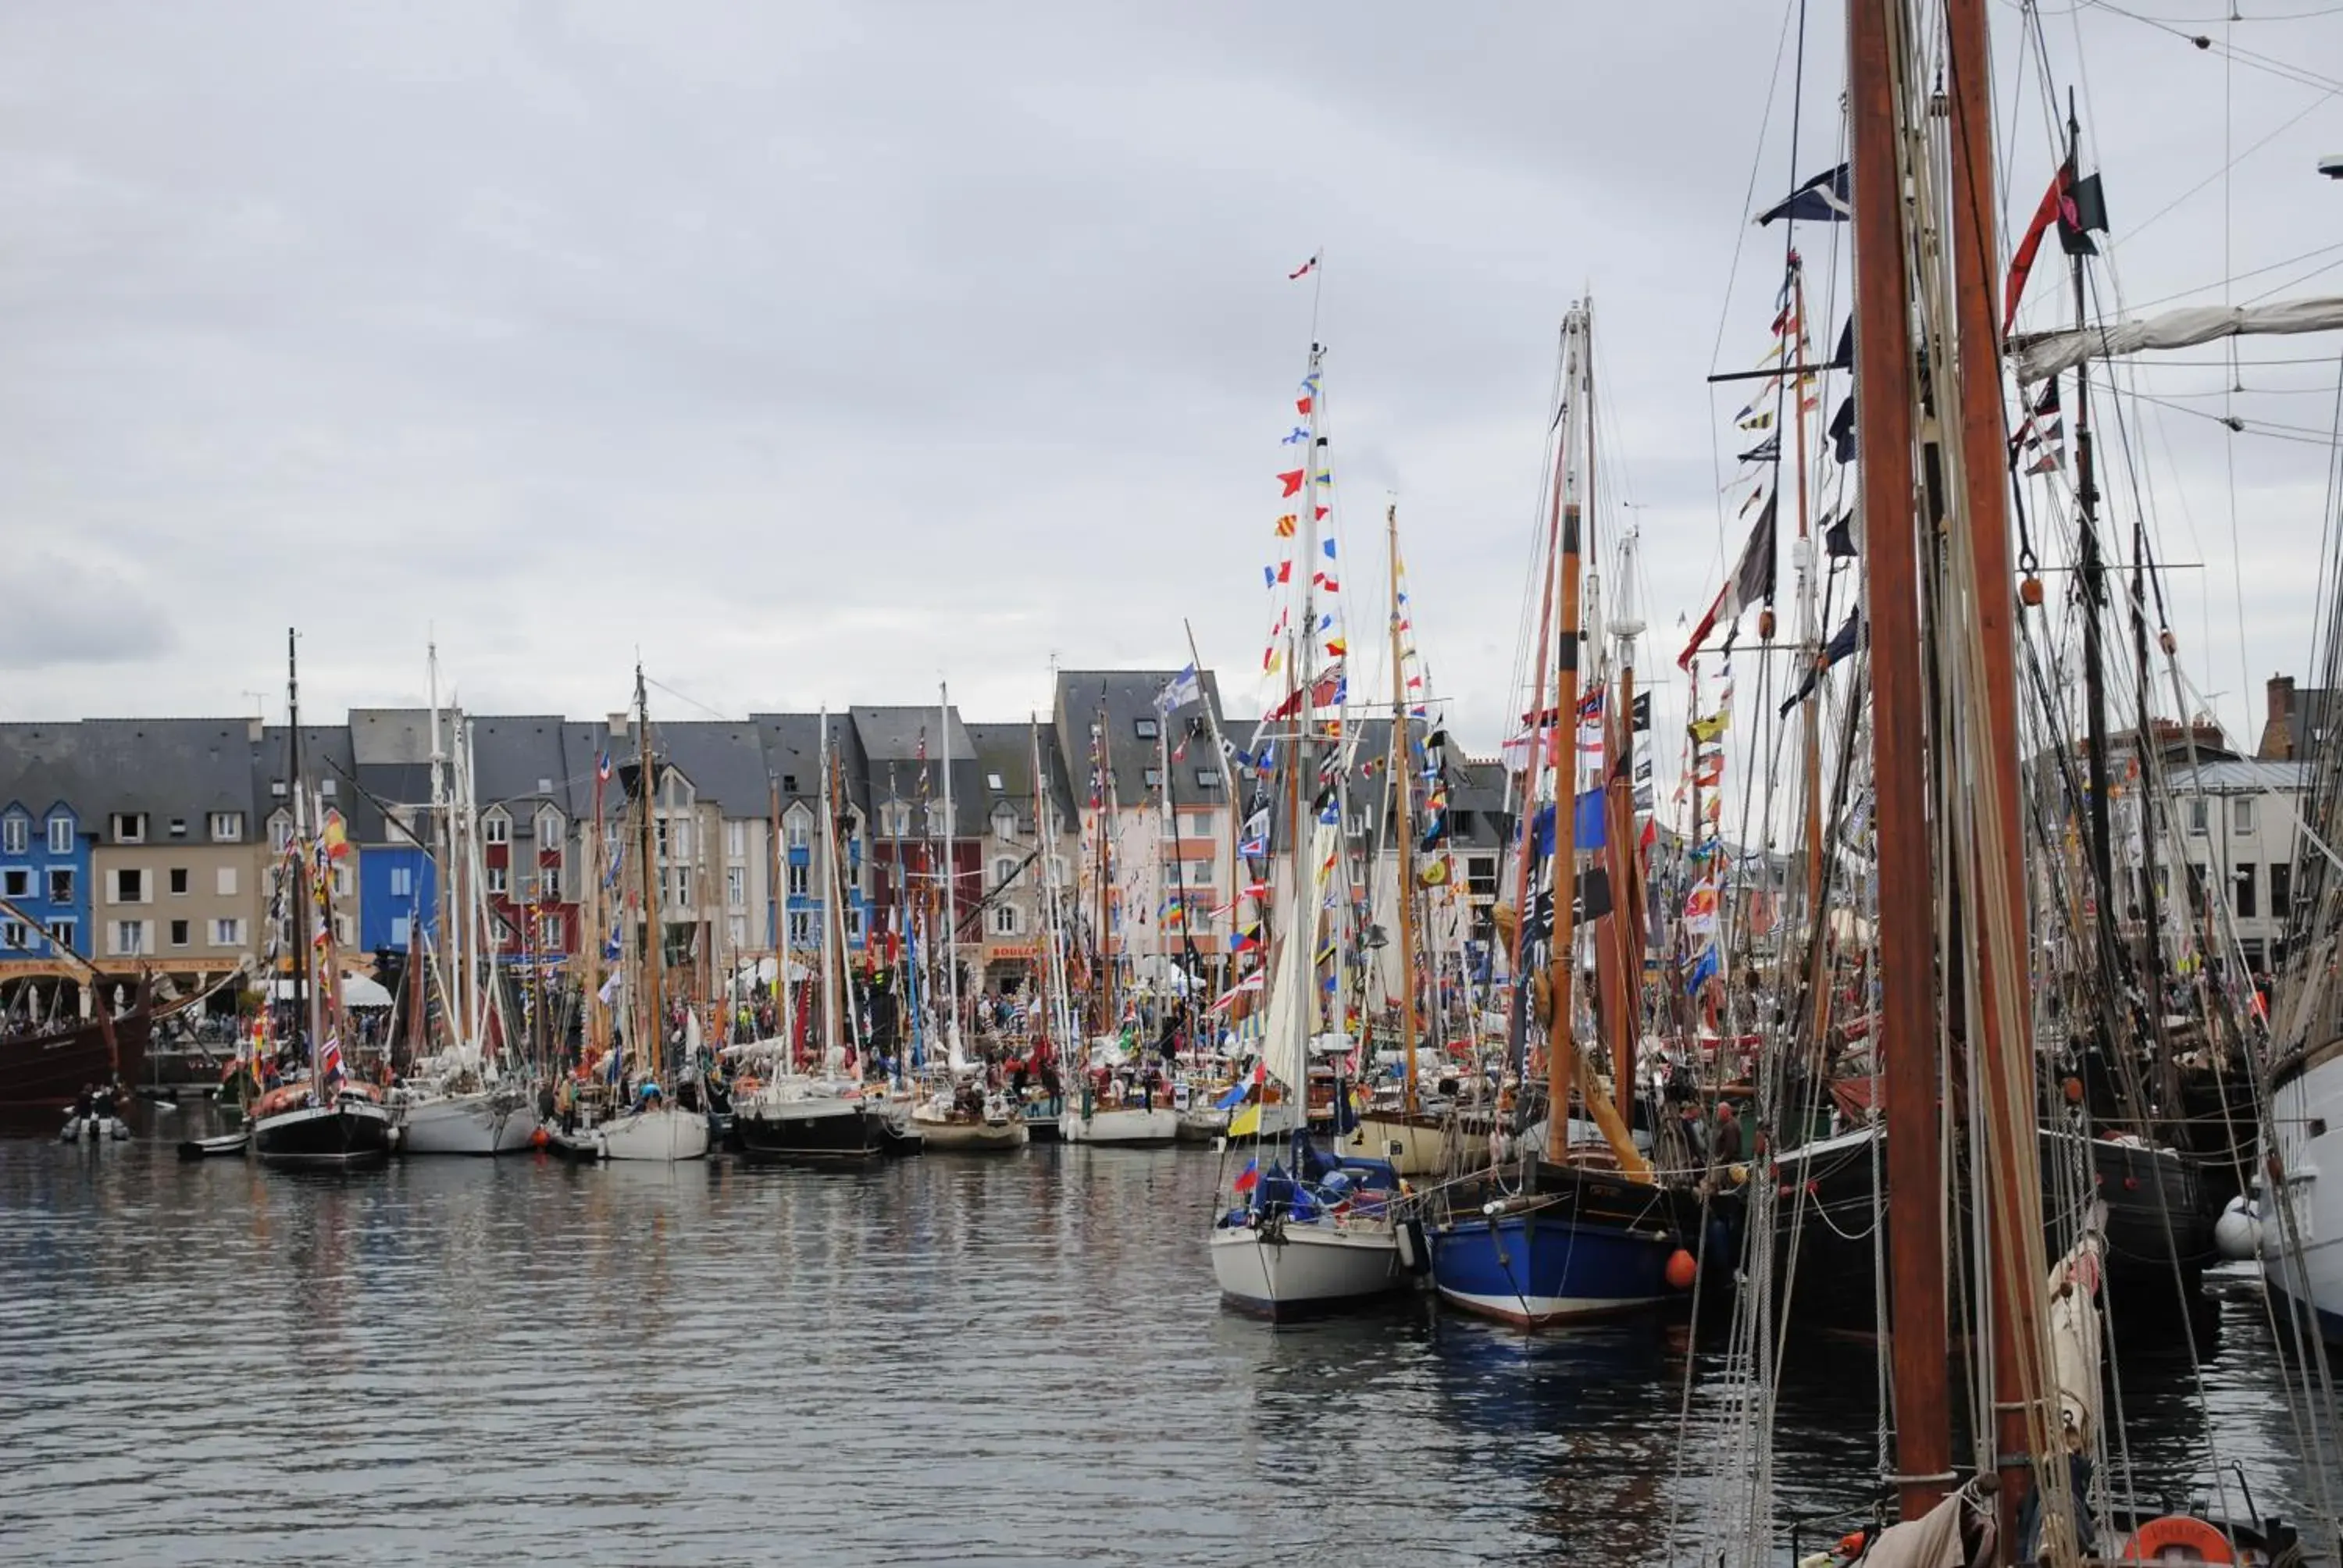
[
  {"x": 61, "y": 884},
  {"x": 179, "y": 933},
  {"x": 1208, "y": 778},
  {"x": 788, "y": 783},
  {"x": 402, "y": 881},
  {"x": 16, "y": 883},
  {"x": 1153, "y": 777},
  {"x": 800, "y": 927},
  {"x": 129, "y": 937},
  {"x": 549, "y": 829},
  {"x": 15, "y": 835},
  {"x": 735, "y": 887},
  {"x": 1057, "y": 871},
  {"x": 736, "y": 932},
  {"x": 341, "y": 922},
  {"x": 659, "y": 839},
  {"x": 2241, "y": 900},
  {"x": 230, "y": 934},
  {"x": 276, "y": 789},
  {"x": 679, "y": 836},
  {"x": 801, "y": 881},
  {"x": 682, "y": 883},
  {"x": 178, "y": 827},
  {"x": 549, "y": 933},
  {"x": 799, "y": 836},
  {"x": 1004, "y": 825},
  {"x": 227, "y": 827},
  {"x": 129, "y": 886},
  {"x": 325, "y": 787},
  {"x": 65, "y": 934},
  {"x": 1200, "y": 873},
  {"x": 2241, "y": 814},
  {"x": 399, "y": 927},
  {"x": 130, "y": 827},
  {"x": 1198, "y": 826},
  {"x": 1004, "y": 870},
  {"x": 178, "y": 881},
  {"x": 12, "y": 933},
  {"x": 548, "y": 884},
  {"x": 2282, "y": 889},
  {"x": 736, "y": 839},
  {"x": 2196, "y": 816},
  {"x": 1006, "y": 921},
  {"x": 280, "y": 833},
  {"x": 497, "y": 881},
  {"x": 496, "y": 828},
  {"x": 1145, "y": 729},
  {"x": 341, "y": 881},
  {"x": 545, "y": 786},
  {"x": 61, "y": 835},
  {"x": 854, "y": 922},
  {"x": 223, "y": 881},
  {"x": 992, "y": 781},
  {"x": 936, "y": 827}
]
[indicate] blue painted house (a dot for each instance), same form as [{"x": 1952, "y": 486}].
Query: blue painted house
[
  {"x": 46, "y": 833},
  {"x": 390, "y": 822}
]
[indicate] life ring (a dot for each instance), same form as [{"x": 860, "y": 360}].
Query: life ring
[{"x": 2184, "y": 1531}]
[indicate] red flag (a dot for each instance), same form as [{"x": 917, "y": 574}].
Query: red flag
[
  {"x": 1292, "y": 480},
  {"x": 1303, "y": 270},
  {"x": 1302, "y": 404},
  {"x": 2021, "y": 262}
]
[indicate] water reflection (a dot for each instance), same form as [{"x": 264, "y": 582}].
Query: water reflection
[{"x": 1007, "y": 1360}]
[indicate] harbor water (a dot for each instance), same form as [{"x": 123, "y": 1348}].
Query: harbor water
[{"x": 997, "y": 1361}]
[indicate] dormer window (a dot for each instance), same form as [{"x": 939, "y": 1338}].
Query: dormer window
[
  {"x": 992, "y": 781},
  {"x": 549, "y": 829},
  {"x": 496, "y": 828},
  {"x": 799, "y": 826},
  {"x": 936, "y": 826},
  {"x": 280, "y": 832},
  {"x": 130, "y": 827},
  {"x": 15, "y": 838},
  {"x": 227, "y": 827},
  {"x": 1146, "y": 729}
]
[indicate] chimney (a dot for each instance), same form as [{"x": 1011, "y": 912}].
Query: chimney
[
  {"x": 619, "y": 723},
  {"x": 2281, "y": 698}
]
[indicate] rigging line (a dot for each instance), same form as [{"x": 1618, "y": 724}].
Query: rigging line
[
  {"x": 2276, "y": 131},
  {"x": 2291, "y": 283},
  {"x": 2226, "y": 47},
  {"x": 2249, "y": 272},
  {"x": 695, "y": 702}
]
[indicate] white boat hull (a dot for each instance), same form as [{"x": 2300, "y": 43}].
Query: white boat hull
[
  {"x": 1308, "y": 1268},
  {"x": 468, "y": 1124},
  {"x": 661, "y": 1134},
  {"x": 2302, "y": 1250},
  {"x": 1129, "y": 1126},
  {"x": 1414, "y": 1148},
  {"x": 946, "y": 1137}
]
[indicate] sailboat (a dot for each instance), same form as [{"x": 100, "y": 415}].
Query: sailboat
[
  {"x": 1548, "y": 1234},
  {"x": 1308, "y": 1230},
  {"x": 822, "y": 1115},
  {"x": 460, "y": 1100},
  {"x": 323, "y": 1120},
  {"x": 631, "y": 1116}
]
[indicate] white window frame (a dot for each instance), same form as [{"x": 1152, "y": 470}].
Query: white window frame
[
  {"x": 735, "y": 887},
  {"x": 61, "y": 835},
  {"x": 17, "y": 882},
  {"x": 548, "y": 829},
  {"x": 15, "y": 835},
  {"x": 548, "y": 883},
  {"x": 1006, "y": 920},
  {"x": 736, "y": 839},
  {"x": 130, "y": 940},
  {"x": 64, "y": 931},
  {"x": 800, "y": 927},
  {"x": 115, "y": 883},
  {"x": 399, "y": 930},
  {"x": 129, "y": 826},
  {"x": 227, "y": 827},
  {"x": 227, "y": 932},
  {"x": 498, "y": 881},
  {"x": 2241, "y": 816},
  {"x": 341, "y": 881},
  {"x": 496, "y": 828},
  {"x": 402, "y": 881},
  {"x": 15, "y": 933}
]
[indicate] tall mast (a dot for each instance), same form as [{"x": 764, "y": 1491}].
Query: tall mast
[
  {"x": 1561, "y": 1045},
  {"x": 1623, "y": 925},
  {"x": 1882, "y": 382},
  {"x": 951, "y": 885},
  {"x": 442, "y": 835},
  {"x": 778, "y": 891},
  {"x": 829, "y": 956},
  {"x": 1810, "y": 644},
  {"x": 304, "y": 991},
  {"x": 1038, "y": 986},
  {"x": 654, "y": 880},
  {"x": 1402, "y": 777},
  {"x": 2006, "y": 1053}
]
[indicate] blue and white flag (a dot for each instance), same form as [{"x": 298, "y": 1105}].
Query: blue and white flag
[{"x": 1181, "y": 689}]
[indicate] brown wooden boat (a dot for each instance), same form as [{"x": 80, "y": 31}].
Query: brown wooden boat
[{"x": 52, "y": 1066}]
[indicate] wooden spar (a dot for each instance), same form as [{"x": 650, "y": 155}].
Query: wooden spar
[
  {"x": 1402, "y": 783},
  {"x": 1562, "y": 1043},
  {"x": 1810, "y": 642},
  {"x": 1623, "y": 1008},
  {"x": 1538, "y": 741},
  {"x": 1884, "y": 375},
  {"x": 2013, "y": 1147},
  {"x": 1225, "y": 752},
  {"x": 654, "y": 956}
]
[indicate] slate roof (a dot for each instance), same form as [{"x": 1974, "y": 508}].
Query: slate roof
[
  {"x": 792, "y": 748},
  {"x": 724, "y": 760},
  {"x": 326, "y": 758},
  {"x": 891, "y": 745},
  {"x": 1006, "y": 751},
  {"x": 1128, "y": 696}
]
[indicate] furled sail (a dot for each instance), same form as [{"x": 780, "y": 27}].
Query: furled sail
[{"x": 2041, "y": 355}]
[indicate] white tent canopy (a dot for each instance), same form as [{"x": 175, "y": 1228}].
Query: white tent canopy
[{"x": 356, "y": 992}]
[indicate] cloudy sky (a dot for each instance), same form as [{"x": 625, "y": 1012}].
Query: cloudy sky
[{"x": 819, "y": 351}]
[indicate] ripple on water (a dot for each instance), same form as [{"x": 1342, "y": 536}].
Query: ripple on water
[{"x": 993, "y": 1361}]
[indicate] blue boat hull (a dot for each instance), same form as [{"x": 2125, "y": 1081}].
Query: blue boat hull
[{"x": 1531, "y": 1270}]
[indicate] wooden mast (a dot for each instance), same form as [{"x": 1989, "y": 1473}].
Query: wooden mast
[
  {"x": 653, "y": 880},
  {"x": 1562, "y": 1044},
  {"x": 1402, "y": 777},
  {"x": 1884, "y": 377},
  {"x": 1623, "y": 927},
  {"x": 2007, "y": 1011}
]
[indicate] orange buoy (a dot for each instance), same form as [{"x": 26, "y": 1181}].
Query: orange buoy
[
  {"x": 539, "y": 1139},
  {"x": 1681, "y": 1270},
  {"x": 2183, "y": 1530}
]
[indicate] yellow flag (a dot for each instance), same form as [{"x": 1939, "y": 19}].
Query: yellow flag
[{"x": 1245, "y": 1122}]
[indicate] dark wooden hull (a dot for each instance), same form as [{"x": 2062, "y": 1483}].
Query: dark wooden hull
[
  {"x": 348, "y": 1136},
  {"x": 52, "y": 1069}
]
